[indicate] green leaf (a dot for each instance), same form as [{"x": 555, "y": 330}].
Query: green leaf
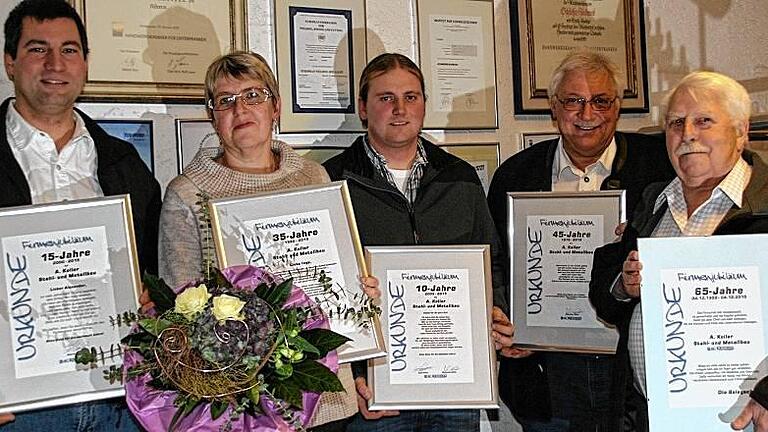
[
  {"x": 276, "y": 295},
  {"x": 313, "y": 376},
  {"x": 324, "y": 340},
  {"x": 141, "y": 339},
  {"x": 160, "y": 293},
  {"x": 187, "y": 406},
  {"x": 219, "y": 280},
  {"x": 254, "y": 395},
  {"x": 289, "y": 391},
  {"x": 218, "y": 408},
  {"x": 303, "y": 345},
  {"x": 84, "y": 357},
  {"x": 154, "y": 326}
]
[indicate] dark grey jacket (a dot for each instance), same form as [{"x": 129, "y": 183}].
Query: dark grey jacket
[
  {"x": 120, "y": 171},
  {"x": 450, "y": 206}
]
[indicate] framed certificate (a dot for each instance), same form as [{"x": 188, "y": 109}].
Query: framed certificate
[
  {"x": 320, "y": 55},
  {"x": 68, "y": 269},
  {"x": 300, "y": 233},
  {"x": 528, "y": 139},
  {"x": 319, "y": 154},
  {"x": 552, "y": 237},
  {"x": 436, "y": 321},
  {"x": 136, "y": 132},
  {"x": 704, "y": 310},
  {"x": 545, "y": 31},
  {"x": 484, "y": 157},
  {"x": 157, "y": 51},
  {"x": 191, "y": 136},
  {"x": 459, "y": 63}
]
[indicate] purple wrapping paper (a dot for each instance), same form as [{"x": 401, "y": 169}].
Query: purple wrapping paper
[{"x": 154, "y": 409}]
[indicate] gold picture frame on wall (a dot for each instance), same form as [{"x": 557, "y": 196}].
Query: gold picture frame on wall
[
  {"x": 157, "y": 51},
  {"x": 544, "y": 31}
]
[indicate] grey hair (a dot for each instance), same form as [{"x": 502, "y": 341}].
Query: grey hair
[
  {"x": 585, "y": 61},
  {"x": 724, "y": 90}
]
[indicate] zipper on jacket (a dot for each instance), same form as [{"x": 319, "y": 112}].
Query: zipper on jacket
[
  {"x": 408, "y": 206},
  {"x": 412, "y": 217}
]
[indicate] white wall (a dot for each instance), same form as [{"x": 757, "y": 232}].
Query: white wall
[{"x": 682, "y": 35}]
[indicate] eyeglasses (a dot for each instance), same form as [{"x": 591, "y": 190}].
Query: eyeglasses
[
  {"x": 251, "y": 96},
  {"x": 598, "y": 103}
]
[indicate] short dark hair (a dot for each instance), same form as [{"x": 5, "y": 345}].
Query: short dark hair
[
  {"x": 384, "y": 63},
  {"x": 40, "y": 10}
]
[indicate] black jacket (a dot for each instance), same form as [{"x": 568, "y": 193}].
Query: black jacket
[
  {"x": 639, "y": 160},
  {"x": 450, "y": 205},
  {"x": 120, "y": 171},
  {"x": 751, "y": 218}
]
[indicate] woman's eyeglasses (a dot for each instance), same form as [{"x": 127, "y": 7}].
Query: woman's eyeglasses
[{"x": 251, "y": 96}]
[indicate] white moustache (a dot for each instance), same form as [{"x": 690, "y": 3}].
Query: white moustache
[{"x": 690, "y": 148}]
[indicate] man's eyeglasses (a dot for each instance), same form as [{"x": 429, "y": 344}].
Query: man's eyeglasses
[
  {"x": 598, "y": 103},
  {"x": 251, "y": 96}
]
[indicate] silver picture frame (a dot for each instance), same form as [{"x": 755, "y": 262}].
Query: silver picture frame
[
  {"x": 299, "y": 233},
  {"x": 552, "y": 237},
  {"x": 447, "y": 360},
  {"x": 68, "y": 269}
]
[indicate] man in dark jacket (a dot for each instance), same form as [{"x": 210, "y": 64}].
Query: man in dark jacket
[
  {"x": 407, "y": 191},
  {"x": 720, "y": 188},
  {"x": 567, "y": 391},
  {"x": 51, "y": 152}
]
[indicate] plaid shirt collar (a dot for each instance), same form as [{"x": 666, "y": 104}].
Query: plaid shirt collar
[
  {"x": 732, "y": 187},
  {"x": 417, "y": 169}
]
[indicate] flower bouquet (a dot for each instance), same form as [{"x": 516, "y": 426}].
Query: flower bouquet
[{"x": 240, "y": 352}]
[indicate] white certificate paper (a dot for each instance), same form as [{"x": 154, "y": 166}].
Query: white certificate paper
[
  {"x": 300, "y": 246},
  {"x": 704, "y": 327},
  {"x": 429, "y": 338},
  {"x": 458, "y": 63},
  {"x": 322, "y": 78},
  {"x": 60, "y": 293},
  {"x": 709, "y": 315},
  {"x": 558, "y": 266}
]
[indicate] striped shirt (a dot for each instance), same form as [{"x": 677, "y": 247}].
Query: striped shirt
[
  {"x": 676, "y": 223},
  {"x": 414, "y": 179}
]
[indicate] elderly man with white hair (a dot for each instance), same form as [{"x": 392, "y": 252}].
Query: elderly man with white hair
[{"x": 720, "y": 188}]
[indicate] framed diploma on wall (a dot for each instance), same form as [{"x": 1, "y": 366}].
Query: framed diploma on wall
[
  {"x": 552, "y": 237},
  {"x": 528, "y": 139},
  {"x": 136, "y": 132},
  {"x": 191, "y": 136},
  {"x": 157, "y": 51},
  {"x": 301, "y": 233},
  {"x": 704, "y": 309},
  {"x": 544, "y": 31},
  {"x": 458, "y": 60},
  {"x": 68, "y": 268},
  {"x": 484, "y": 157},
  {"x": 320, "y": 55},
  {"x": 319, "y": 154},
  {"x": 436, "y": 321}
]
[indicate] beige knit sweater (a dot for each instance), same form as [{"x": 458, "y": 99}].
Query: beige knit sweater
[{"x": 183, "y": 240}]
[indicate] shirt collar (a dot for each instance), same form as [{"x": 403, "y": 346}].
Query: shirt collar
[
  {"x": 732, "y": 186},
  {"x": 381, "y": 163},
  {"x": 563, "y": 162},
  {"x": 22, "y": 133}
]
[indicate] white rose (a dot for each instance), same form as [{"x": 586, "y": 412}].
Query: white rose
[
  {"x": 227, "y": 307},
  {"x": 192, "y": 300}
]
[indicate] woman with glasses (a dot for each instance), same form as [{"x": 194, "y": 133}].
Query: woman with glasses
[{"x": 243, "y": 103}]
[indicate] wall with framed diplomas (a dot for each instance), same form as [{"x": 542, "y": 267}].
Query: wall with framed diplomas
[
  {"x": 486, "y": 64},
  {"x": 485, "y": 61}
]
